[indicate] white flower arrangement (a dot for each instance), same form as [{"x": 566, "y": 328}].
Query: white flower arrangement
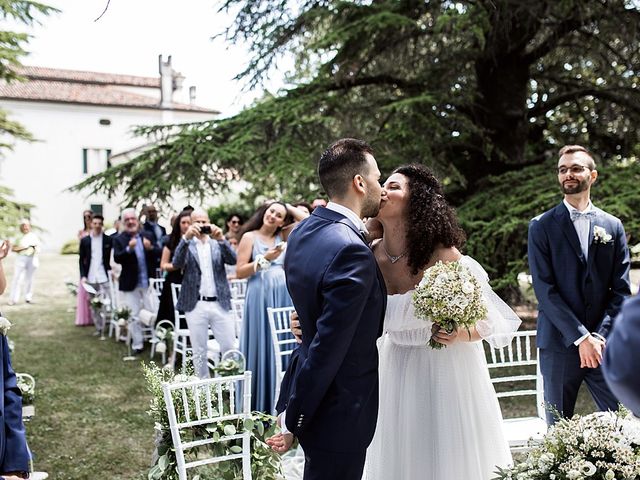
[
  {"x": 600, "y": 235},
  {"x": 123, "y": 313},
  {"x": 265, "y": 463},
  {"x": 5, "y": 325},
  {"x": 28, "y": 391},
  {"x": 449, "y": 296},
  {"x": 603, "y": 445},
  {"x": 163, "y": 335},
  {"x": 96, "y": 303}
]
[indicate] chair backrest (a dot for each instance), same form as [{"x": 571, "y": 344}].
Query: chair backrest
[
  {"x": 115, "y": 303},
  {"x": 237, "y": 311},
  {"x": 283, "y": 340},
  {"x": 238, "y": 288},
  {"x": 179, "y": 316},
  {"x": 157, "y": 284},
  {"x": 516, "y": 367},
  {"x": 198, "y": 412}
]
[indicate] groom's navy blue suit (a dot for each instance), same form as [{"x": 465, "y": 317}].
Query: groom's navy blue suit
[
  {"x": 576, "y": 295},
  {"x": 332, "y": 384}
]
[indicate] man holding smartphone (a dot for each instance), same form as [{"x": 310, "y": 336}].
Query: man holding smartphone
[{"x": 205, "y": 296}]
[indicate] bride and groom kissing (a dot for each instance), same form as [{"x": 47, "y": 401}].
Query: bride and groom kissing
[{"x": 426, "y": 413}]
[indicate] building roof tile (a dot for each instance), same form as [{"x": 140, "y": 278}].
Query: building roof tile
[{"x": 87, "y": 88}]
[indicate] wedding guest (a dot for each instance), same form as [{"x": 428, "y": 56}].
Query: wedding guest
[
  {"x": 234, "y": 242},
  {"x": 234, "y": 224},
  {"x": 156, "y": 231},
  {"x": 579, "y": 262},
  {"x": 205, "y": 296},
  {"x": 136, "y": 252},
  {"x": 95, "y": 256},
  {"x": 14, "y": 454},
  {"x": 260, "y": 259},
  {"x": 115, "y": 230},
  {"x": 622, "y": 356},
  {"x": 318, "y": 202},
  {"x": 27, "y": 247},
  {"x": 304, "y": 206},
  {"x": 173, "y": 274},
  {"x": 83, "y": 309}
]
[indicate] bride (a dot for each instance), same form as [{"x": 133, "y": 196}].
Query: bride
[{"x": 439, "y": 417}]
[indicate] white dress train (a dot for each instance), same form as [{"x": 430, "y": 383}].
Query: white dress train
[{"x": 439, "y": 418}]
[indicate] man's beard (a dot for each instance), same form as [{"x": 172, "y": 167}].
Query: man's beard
[
  {"x": 371, "y": 207},
  {"x": 580, "y": 187}
]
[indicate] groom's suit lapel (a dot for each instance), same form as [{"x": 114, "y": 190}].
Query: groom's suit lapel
[
  {"x": 562, "y": 217},
  {"x": 593, "y": 248}
]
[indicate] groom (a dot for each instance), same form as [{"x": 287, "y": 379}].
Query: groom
[
  {"x": 340, "y": 297},
  {"x": 579, "y": 262}
]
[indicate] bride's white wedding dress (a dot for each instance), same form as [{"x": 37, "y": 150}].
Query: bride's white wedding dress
[{"x": 439, "y": 418}]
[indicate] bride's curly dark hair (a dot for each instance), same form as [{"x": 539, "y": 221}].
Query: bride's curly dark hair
[{"x": 431, "y": 220}]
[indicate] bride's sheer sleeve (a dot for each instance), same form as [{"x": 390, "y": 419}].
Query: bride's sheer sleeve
[{"x": 501, "y": 322}]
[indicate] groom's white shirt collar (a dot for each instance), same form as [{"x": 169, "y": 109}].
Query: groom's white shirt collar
[
  {"x": 350, "y": 214},
  {"x": 571, "y": 208}
]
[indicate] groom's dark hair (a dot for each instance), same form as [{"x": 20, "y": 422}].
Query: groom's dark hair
[{"x": 339, "y": 163}]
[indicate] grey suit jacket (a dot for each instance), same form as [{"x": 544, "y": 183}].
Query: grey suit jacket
[{"x": 186, "y": 257}]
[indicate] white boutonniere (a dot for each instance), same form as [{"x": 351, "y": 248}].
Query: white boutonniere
[
  {"x": 600, "y": 235},
  {"x": 5, "y": 325}
]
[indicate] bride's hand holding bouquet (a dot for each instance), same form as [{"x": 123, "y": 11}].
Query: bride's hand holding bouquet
[{"x": 451, "y": 297}]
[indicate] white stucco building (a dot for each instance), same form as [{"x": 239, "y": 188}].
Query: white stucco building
[{"x": 80, "y": 120}]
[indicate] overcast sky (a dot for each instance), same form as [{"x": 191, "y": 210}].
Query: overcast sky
[{"x": 132, "y": 33}]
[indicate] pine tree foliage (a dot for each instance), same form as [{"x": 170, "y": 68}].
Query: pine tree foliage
[{"x": 471, "y": 88}]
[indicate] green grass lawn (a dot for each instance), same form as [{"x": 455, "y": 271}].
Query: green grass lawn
[
  {"x": 91, "y": 419},
  {"x": 90, "y": 405}
]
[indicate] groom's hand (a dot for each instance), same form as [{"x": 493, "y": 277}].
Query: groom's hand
[
  {"x": 280, "y": 442},
  {"x": 295, "y": 327},
  {"x": 590, "y": 350}
]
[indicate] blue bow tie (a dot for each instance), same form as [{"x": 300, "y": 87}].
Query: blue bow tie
[{"x": 575, "y": 214}]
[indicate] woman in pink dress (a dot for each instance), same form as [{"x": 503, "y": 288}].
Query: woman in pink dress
[{"x": 83, "y": 310}]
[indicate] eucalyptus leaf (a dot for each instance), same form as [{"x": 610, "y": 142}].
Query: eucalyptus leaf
[
  {"x": 163, "y": 462},
  {"x": 248, "y": 424},
  {"x": 229, "y": 429}
]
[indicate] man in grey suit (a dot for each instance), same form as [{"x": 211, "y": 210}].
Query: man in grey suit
[{"x": 205, "y": 296}]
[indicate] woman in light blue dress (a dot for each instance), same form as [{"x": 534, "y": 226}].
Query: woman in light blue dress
[{"x": 260, "y": 260}]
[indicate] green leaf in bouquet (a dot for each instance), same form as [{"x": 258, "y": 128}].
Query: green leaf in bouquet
[
  {"x": 236, "y": 449},
  {"x": 260, "y": 427},
  {"x": 248, "y": 424},
  {"x": 163, "y": 462},
  {"x": 229, "y": 429}
]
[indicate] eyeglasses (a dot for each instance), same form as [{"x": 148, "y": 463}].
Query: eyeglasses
[
  {"x": 235, "y": 222},
  {"x": 575, "y": 169}
]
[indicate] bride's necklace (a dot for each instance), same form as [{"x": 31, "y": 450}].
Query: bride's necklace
[{"x": 393, "y": 258}]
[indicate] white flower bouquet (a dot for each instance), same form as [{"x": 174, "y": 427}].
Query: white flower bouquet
[
  {"x": 600, "y": 446},
  {"x": 5, "y": 325},
  {"x": 451, "y": 297}
]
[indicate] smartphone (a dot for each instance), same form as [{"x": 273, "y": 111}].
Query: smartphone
[{"x": 206, "y": 229}]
